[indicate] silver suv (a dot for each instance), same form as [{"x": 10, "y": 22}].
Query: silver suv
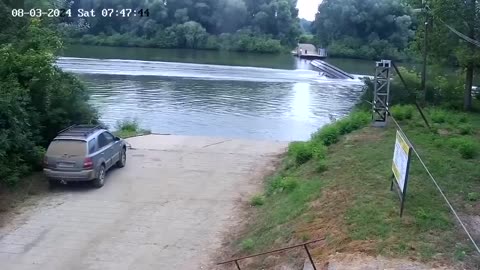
[{"x": 83, "y": 153}]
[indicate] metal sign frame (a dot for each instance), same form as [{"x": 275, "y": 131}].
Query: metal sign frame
[
  {"x": 381, "y": 94},
  {"x": 395, "y": 182}
]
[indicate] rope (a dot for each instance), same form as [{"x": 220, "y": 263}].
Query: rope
[
  {"x": 436, "y": 185},
  {"x": 439, "y": 189}
]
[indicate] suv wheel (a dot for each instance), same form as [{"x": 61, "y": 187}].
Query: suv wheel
[
  {"x": 100, "y": 180},
  {"x": 123, "y": 158}
]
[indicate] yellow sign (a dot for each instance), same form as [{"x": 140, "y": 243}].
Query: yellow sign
[{"x": 401, "y": 159}]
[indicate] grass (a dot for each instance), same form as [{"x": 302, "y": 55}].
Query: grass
[
  {"x": 344, "y": 192},
  {"x": 257, "y": 200},
  {"x": 129, "y": 128}
]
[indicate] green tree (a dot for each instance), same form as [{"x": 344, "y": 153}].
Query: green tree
[
  {"x": 364, "y": 28},
  {"x": 270, "y": 19},
  {"x": 36, "y": 97},
  {"x": 446, "y": 47}
]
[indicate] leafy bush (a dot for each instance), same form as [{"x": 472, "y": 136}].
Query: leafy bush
[
  {"x": 466, "y": 147},
  {"x": 247, "y": 244},
  {"x": 468, "y": 150},
  {"x": 465, "y": 129},
  {"x": 473, "y": 196},
  {"x": 302, "y": 152},
  {"x": 129, "y": 128},
  {"x": 402, "y": 112},
  {"x": 188, "y": 35},
  {"x": 330, "y": 134},
  {"x": 438, "y": 116},
  {"x": 37, "y": 100},
  {"x": 280, "y": 184},
  {"x": 128, "y": 125},
  {"x": 327, "y": 135},
  {"x": 321, "y": 166},
  {"x": 257, "y": 200},
  {"x": 319, "y": 151}
]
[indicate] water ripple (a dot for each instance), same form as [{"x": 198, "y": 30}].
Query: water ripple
[{"x": 210, "y": 100}]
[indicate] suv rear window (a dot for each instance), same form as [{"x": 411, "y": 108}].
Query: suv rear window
[{"x": 70, "y": 147}]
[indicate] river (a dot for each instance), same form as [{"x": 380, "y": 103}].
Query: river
[{"x": 208, "y": 93}]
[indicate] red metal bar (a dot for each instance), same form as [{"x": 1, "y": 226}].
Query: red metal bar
[{"x": 272, "y": 251}]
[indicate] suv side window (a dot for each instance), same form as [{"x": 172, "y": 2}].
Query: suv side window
[
  {"x": 92, "y": 146},
  {"x": 105, "y": 139}
]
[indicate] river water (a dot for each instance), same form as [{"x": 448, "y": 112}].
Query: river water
[{"x": 207, "y": 93}]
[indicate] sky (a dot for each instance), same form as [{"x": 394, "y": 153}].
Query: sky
[{"x": 308, "y": 8}]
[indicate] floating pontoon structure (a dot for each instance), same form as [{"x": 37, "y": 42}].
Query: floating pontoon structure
[{"x": 330, "y": 71}]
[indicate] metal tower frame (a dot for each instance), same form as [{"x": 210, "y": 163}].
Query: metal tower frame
[{"x": 381, "y": 94}]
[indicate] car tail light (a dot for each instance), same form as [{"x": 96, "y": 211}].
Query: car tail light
[{"x": 88, "y": 163}]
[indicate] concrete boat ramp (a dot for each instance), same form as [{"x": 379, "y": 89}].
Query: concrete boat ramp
[{"x": 169, "y": 208}]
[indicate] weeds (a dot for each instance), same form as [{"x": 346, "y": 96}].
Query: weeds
[
  {"x": 257, "y": 200},
  {"x": 129, "y": 128},
  {"x": 247, "y": 244},
  {"x": 353, "y": 190},
  {"x": 301, "y": 152},
  {"x": 438, "y": 116},
  {"x": 466, "y": 147},
  {"x": 321, "y": 166},
  {"x": 465, "y": 129},
  {"x": 402, "y": 112},
  {"x": 327, "y": 135}
]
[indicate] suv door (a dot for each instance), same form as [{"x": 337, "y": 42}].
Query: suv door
[{"x": 105, "y": 146}]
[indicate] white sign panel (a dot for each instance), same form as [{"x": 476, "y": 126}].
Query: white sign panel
[{"x": 400, "y": 163}]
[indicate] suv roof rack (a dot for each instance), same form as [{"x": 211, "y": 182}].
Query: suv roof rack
[{"x": 79, "y": 130}]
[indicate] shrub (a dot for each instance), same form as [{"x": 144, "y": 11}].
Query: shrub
[
  {"x": 402, "y": 112},
  {"x": 465, "y": 129},
  {"x": 468, "y": 150},
  {"x": 247, "y": 244},
  {"x": 37, "y": 100},
  {"x": 257, "y": 200},
  {"x": 127, "y": 125},
  {"x": 280, "y": 184},
  {"x": 319, "y": 151},
  {"x": 301, "y": 152},
  {"x": 322, "y": 166},
  {"x": 438, "y": 116},
  {"x": 473, "y": 196},
  {"x": 465, "y": 146},
  {"x": 328, "y": 135}
]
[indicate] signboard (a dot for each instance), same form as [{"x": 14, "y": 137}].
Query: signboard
[{"x": 401, "y": 165}]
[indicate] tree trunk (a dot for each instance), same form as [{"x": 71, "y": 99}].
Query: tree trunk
[{"x": 467, "y": 96}]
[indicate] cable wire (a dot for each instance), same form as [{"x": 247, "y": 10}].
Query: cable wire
[
  {"x": 436, "y": 184},
  {"x": 439, "y": 189},
  {"x": 458, "y": 33}
]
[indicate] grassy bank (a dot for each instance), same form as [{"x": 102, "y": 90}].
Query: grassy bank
[
  {"x": 128, "y": 128},
  {"x": 338, "y": 186}
]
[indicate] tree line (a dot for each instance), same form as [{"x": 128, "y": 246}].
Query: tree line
[
  {"x": 395, "y": 29},
  {"x": 37, "y": 99},
  {"x": 240, "y": 25}
]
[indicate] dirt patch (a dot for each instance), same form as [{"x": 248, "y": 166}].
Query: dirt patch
[
  {"x": 365, "y": 135},
  {"x": 11, "y": 200},
  {"x": 358, "y": 261},
  {"x": 244, "y": 215}
]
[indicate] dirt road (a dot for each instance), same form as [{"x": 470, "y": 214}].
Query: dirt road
[{"x": 167, "y": 209}]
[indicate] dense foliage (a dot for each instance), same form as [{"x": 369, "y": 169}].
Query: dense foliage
[
  {"x": 36, "y": 98},
  {"x": 241, "y": 25},
  {"x": 368, "y": 29},
  {"x": 447, "y": 48}
]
